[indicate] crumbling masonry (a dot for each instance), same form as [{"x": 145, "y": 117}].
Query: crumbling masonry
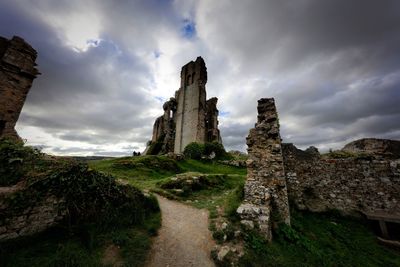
[
  {"x": 188, "y": 117},
  {"x": 265, "y": 193},
  {"x": 366, "y": 179},
  {"x": 17, "y": 72}
]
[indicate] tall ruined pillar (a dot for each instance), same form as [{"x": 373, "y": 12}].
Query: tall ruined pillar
[
  {"x": 188, "y": 117},
  {"x": 17, "y": 71},
  {"x": 265, "y": 194},
  {"x": 191, "y": 110}
]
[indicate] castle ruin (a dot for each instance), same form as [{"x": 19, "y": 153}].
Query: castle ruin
[
  {"x": 365, "y": 180},
  {"x": 17, "y": 72},
  {"x": 265, "y": 192},
  {"x": 188, "y": 117}
]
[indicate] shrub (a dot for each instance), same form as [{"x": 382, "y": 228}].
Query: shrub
[
  {"x": 215, "y": 147},
  {"x": 15, "y": 161},
  {"x": 197, "y": 151},
  {"x": 194, "y": 150}
]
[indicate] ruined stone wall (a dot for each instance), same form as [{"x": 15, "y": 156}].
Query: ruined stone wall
[
  {"x": 164, "y": 128},
  {"x": 348, "y": 184},
  {"x": 265, "y": 194},
  {"x": 17, "y": 71},
  {"x": 212, "y": 133},
  {"x": 34, "y": 217}
]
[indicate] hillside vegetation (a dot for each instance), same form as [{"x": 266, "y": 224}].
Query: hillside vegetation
[
  {"x": 315, "y": 239},
  {"x": 99, "y": 212}
]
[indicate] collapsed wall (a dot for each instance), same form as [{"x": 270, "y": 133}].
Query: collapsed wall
[
  {"x": 30, "y": 217},
  {"x": 265, "y": 194},
  {"x": 17, "y": 72},
  {"x": 363, "y": 184},
  {"x": 188, "y": 117}
]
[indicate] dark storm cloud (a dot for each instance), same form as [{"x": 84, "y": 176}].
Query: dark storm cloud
[
  {"x": 100, "y": 90},
  {"x": 286, "y": 34},
  {"x": 332, "y": 66},
  {"x": 82, "y": 92}
]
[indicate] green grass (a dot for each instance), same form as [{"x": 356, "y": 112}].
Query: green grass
[
  {"x": 143, "y": 172},
  {"x": 148, "y": 172},
  {"x": 319, "y": 240},
  {"x": 210, "y": 167},
  {"x": 83, "y": 247},
  {"x": 314, "y": 239}
]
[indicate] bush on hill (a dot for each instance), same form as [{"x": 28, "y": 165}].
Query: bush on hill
[
  {"x": 194, "y": 150},
  {"x": 15, "y": 161},
  {"x": 198, "y": 151}
]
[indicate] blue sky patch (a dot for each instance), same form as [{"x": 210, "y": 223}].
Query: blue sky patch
[
  {"x": 188, "y": 29},
  {"x": 160, "y": 99},
  {"x": 224, "y": 113},
  {"x": 157, "y": 54}
]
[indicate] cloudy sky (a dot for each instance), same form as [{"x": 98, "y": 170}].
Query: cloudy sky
[{"x": 333, "y": 67}]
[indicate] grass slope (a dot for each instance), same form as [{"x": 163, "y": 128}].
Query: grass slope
[{"x": 314, "y": 239}]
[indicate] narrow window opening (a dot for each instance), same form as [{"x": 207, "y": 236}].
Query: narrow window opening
[{"x": 2, "y": 126}]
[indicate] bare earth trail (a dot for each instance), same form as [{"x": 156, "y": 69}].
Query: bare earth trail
[{"x": 183, "y": 239}]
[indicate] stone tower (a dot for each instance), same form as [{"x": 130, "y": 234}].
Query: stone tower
[
  {"x": 17, "y": 72},
  {"x": 191, "y": 111},
  {"x": 188, "y": 117}
]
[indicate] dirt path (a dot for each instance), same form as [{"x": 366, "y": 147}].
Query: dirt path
[{"x": 184, "y": 239}]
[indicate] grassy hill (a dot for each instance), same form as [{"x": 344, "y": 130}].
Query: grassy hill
[{"x": 315, "y": 239}]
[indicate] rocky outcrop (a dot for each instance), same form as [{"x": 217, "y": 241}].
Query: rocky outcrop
[
  {"x": 17, "y": 72},
  {"x": 265, "y": 194},
  {"x": 383, "y": 148},
  {"x": 188, "y": 117}
]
